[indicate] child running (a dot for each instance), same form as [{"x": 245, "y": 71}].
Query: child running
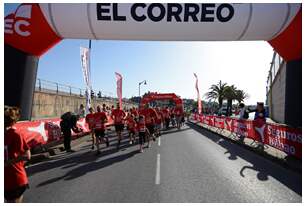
[
  {"x": 142, "y": 130},
  {"x": 131, "y": 123}
]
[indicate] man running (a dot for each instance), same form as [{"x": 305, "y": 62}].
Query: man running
[
  {"x": 166, "y": 113},
  {"x": 90, "y": 120},
  {"x": 150, "y": 115},
  {"x": 118, "y": 117},
  {"x": 158, "y": 122},
  {"x": 142, "y": 130},
  {"x": 178, "y": 112},
  {"x": 100, "y": 120}
]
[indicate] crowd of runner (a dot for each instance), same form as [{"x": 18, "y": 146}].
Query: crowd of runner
[{"x": 144, "y": 125}]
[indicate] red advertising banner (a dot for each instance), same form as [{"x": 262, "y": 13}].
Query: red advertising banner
[
  {"x": 284, "y": 138},
  {"x": 219, "y": 122},
  {"x": 44, "y": 131}
]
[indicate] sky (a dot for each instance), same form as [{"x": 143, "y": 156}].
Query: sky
[{"x": 166, "y": 66}]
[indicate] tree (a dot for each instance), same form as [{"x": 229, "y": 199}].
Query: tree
[
  {"x": 230, "y": 95},
  {"x": 241, "y": 95},
  {"x": 217, "y": 92}
]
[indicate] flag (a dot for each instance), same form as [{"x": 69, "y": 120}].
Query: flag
[
  {"x": 119, "y": 88},
  {"x": 198, "y": 93},
  {"x": 85, "y": 54}
]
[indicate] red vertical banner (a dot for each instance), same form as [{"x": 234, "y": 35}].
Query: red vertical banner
[
  {"x": 119, "y": 88},
  {"x": 198, "y": 93}
]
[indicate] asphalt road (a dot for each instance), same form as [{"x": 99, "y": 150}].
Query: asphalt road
[{"x": 191, "y": 165}]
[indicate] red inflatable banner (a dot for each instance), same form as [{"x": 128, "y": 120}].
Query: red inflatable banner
[
  {"x": 44, "y": 131},
  {"x": 284, "y": 138}
]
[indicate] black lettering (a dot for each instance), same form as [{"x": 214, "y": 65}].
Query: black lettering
[
  {"x": 101, "y": 10},
  {"x": 230, "y": 12},
  {"x": 133, "y": 12},
  {"x": 192, "y": 14},
  {"x": 205, "y": 11},
  {"x": 116, "y": 16},
  {"x": 175, "y": 14},
  {"x": 160, "y": 16}
]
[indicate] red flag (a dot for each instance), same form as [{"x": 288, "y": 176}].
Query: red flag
[
  {"x": 119, "y": 88},
  {"x": 199, "y": 98}
]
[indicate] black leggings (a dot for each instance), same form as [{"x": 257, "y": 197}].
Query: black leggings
[{"x": 142, "y": 136}]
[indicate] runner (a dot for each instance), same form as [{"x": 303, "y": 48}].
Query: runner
[
  {"x": 16, "y": 151},
  {"x": 142, "y": 130},
  {"x": 150, "y": 116},
  {"x": 158, "y": 122},
  {"x": 131, "y": 125},
  {"x": 90, "y": 120},
  {"x": 118, "y": 117},
  {"x": 100, "y": 120},
  {"x": 166, "y": 114},
  {"x": 178, "y": 112}
]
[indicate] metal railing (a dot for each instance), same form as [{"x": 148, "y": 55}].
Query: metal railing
[
  {"x": 276, "y": 63},
  {"x": 57, "y": 88}
]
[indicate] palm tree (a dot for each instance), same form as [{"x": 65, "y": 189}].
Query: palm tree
[
  {"x": 217, "y": 92},
  {"x": 241, "y": 95},
  {"x": 230, "y": 95}
]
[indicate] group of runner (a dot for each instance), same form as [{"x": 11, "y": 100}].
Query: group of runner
[{"x": 147, "y": 122}]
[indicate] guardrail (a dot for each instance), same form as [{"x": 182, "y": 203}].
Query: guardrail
[{"x": 57, "y": 88}]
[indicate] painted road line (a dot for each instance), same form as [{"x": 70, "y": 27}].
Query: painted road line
[
  {"x": 159, "y": 141},
  {"x": 157, "y": 177}
]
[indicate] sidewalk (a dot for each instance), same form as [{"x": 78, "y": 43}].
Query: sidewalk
[{"x": 267, "y": 151}]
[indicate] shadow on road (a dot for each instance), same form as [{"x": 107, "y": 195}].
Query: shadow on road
[
  {"x": 174, "y": 130},
  {"x": 259, "y": 163},
  {"x": 75, "y": 159},
  {"x": 92, "y": 166}
]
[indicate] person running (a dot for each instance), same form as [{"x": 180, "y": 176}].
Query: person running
[
  {"x": 150, "y": 116},
  {"x": 131, "y": 124},
  {"x": 158, "y": 122},
  {"x": 166, "y": 113},
  {"x": 16, "y": 151},
  {"x": 90, "y": 120},
  {"x": 142, "y": 130},
  {"x": 100, "y": 120},
  {"x": 118, "y": 116},
  {"x": 178, "y": 112}
]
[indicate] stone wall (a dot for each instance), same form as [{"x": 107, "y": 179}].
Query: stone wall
[{"x": 50, "y": 105}]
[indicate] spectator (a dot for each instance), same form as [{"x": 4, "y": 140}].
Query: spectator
[
  {"x": 68, "y": 122},
  {"x": 16, "y": 151},
  {"x": 81, "y": 112},
  {"x": 243, "y": 113}
]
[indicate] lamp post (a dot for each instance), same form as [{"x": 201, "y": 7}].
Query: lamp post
[{"x": 145, "y": 83}]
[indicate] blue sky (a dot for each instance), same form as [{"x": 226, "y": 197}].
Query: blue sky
[{"x": 167, "y": 66}]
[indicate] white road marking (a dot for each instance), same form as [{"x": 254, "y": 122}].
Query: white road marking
[
  {"x": 157, "y": 177},
  {"x": 159, "y": 141}
]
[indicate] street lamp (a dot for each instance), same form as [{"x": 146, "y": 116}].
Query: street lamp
[{"x": 145, "y": 83}]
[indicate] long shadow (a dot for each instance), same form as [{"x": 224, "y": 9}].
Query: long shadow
[
  {"x": 174, "y": 131},
  {"x": 92, "y": 166},
  {"x": 264, "y": 168},
  {"x": 70, "y": 161}
]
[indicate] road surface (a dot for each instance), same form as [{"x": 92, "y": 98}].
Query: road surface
[{"x": 191, "y": 165}]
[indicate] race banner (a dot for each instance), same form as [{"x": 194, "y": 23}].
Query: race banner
[
  {"x": 41, "y": 132},
  {"x": 284, "y": 138},
  {"x": 219, "y": 122},
  {"x": 85, "y": 63},
  {"x": 198, "y": 95},
  {"x": 119, "y": 88}
]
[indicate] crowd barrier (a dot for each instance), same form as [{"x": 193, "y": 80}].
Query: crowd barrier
[
  {"x": 40, "y": 132},
  {"x": 281, "y": 137}
]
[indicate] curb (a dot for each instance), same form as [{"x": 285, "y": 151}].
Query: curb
[{"x": 287, "y": 162}]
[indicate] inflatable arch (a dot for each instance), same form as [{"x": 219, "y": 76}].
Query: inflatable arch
[
  {"x": 159, "y": 96},
  {"x": 34, "y": 28}
]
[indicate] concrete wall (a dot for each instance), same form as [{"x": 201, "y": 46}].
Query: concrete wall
[
  {"x": 277, "y": 108},
  {"x": 49, "y": 105}
]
